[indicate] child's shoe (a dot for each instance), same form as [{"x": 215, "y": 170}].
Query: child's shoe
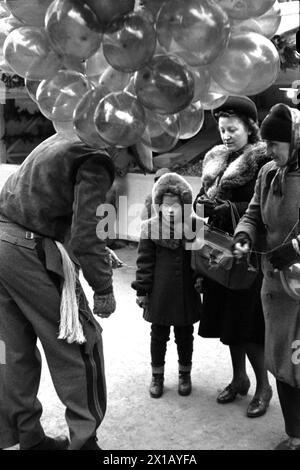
[
  {"x": 157, "y": 385},
  {"x": 184, "y": 383}
]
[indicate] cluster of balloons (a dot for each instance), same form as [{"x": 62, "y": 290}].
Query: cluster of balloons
[{"x": 118, "y": 73}]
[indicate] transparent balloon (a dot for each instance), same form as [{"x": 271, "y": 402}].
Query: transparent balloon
[
  {"x": 114, "y": 80},
  {"x": 162, "y": 131},
  {"x": 120, "y": 119},
  {"x": 243, "y": 9},
  {"x": 165, "y": 85},
  {"x": 83, "y": 117},
  {"x": 132, "y": 46},
  {"x": 191, "y": 120},
  {"x": 29, "y": 12},
  {"x": 28, "y": 52},
  {"x": 196, "y": 31},
  {"x": 73, "y": 29},
  {"x": 202, "y": 81},
  {"x": 4, "y": 12},
  {"x": 58, "y": 96},
  {"x": 73, "y": 63},
  {"x": 109, "y": 12},
  {"x": 213, "y": 99},
  {"x": 267, "y": 24},
  {"x": 95, "y": 66},
  {"x": 7, "y": 24},
  {"x": 153, "y": 5},
  {"x": 130, "y": 87},
  {"x": 265, "y": 61},
  {"x": 66, "y": 129},
  {"x": 31, "y": 87}
]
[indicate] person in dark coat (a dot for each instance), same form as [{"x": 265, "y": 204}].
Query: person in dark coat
[
  {"x": 48, "y": 218},
  {"x": 272, "y": 219},
  {"x": 229, "y": 174},
  {"x": 164, "y": 279}
]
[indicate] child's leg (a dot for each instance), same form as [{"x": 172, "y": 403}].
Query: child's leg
[
  {"x": 184, "y": 340},
  {"x": 159, "y": 337}
]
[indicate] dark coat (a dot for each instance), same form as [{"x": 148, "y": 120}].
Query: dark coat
[
  {"x": 234, "y": 316},
  {"x": 274, "y": 217},
  {"x": 56, "y": 193},
  {"x": 166, "y": 275}
]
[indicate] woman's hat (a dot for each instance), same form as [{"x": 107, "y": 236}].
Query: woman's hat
[
  {"x": 237, "y": 105},
  {"x": 277, "y": 125}
]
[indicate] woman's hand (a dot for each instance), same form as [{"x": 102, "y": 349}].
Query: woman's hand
[
  {"x": 241, "y": 246},
  {"x": 142, "y": 301},
  {"x": 209, "y": 205}
]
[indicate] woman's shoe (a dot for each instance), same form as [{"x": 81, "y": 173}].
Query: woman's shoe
[
  {"x": 259, "y": 404},
  {"x": 230, "y": 392}
]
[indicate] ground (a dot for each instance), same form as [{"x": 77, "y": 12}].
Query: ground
[{"x": 134, "y": 420}]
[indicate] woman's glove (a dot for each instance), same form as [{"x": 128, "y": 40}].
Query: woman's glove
[
  {"x": 221, "y": 211},
  {"x": 282, "y": 256},
  {"x": 209, "y": 205},
  {"x": 142, "y": 301},
  {"x": 104, "y": 305},
  {"x": 241, "y": 245}
]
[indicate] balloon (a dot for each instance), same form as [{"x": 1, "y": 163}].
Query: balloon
[
  {"x": 162, "y": 131},
  {"x": 153, "y": 5},
  {"x": 191, "y": 120},
  {"x": 265, "y": 64},
  {"x": 197, "y": 31},
  {"x": 27, "y": 51},
  {"x": 243, "y": 9},
  {"x": 202, "y": 81},
  {"x": 214, "y": 98},
  {"x": 144, "y": 156},
  {"x": 120, "y": 119},
  {"x": 73, "y": 63},
  {"x": 165, "y": 85},
  {"x": 114, "y": 80},
  {"x": 95, "y": 66},
  {"x": 130, "y": 87},
  {"x": 83, "y": 117},
  {"x": 58, "y": 96},
  {"x": 132, "y": 46},
  {"x": 233, "y": 70},
  {"x": 66, "y": 129},
  {"x": 31, "y": 87},
  {"x": 109, "y": 11},
  {"x": 266, "y": 24},
  {"x": 73, "y": 29},
  {"x": 4, "y": 12},
  {"x": 7, "y": 24},
  {"x": 29, "y": 12}
]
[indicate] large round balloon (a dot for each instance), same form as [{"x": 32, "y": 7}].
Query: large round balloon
[
  {"x": 95, "y": 66},
  {"x": 83, "y": 117},
  {"x": 165, "y": 85},
  {"x": 214, "y": 98},
  {"x": 265, "y": 63},
  {"x": 202, "y": 81},
  {"x": 114, "y": 80},
  {"x": 31, "y": 87},
  {"x": 66, "y": 129},
  {"x": 233, "y": 70},
  {"x": 28, "y": 52},
  {"x": 73, "y": 29},
  {"x": 243, "y": 9},
  {"x": 153, "y": 5},
  {"x": 109, "y": 11},
  {"x": 58, "y": 96},
  {"x": 162, "y": 131},
  {"x": 7, "y": 24},
  {"x": 197, "y": 31},
  {"x": 29, "y": 12},
  {"x": 266, "y": 24},
  {"x": 191, "y": 120},
  {"x": 120, "y": 119},
  {"x": 132, "y": 46}
]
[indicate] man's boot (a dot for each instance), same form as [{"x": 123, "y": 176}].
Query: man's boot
[
  {"x": 184, "y": 380},
  {"x": 157, "y": 382}
]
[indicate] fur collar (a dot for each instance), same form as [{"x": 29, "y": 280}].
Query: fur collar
[{"x": 238, "y": 172}]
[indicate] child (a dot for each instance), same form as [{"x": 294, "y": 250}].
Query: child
[{"x": 165, "y": 281}]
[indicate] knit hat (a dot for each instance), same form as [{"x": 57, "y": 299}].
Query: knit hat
[
  {"x": 277, "y": 125},
  {"x": 237, "y": 105}
]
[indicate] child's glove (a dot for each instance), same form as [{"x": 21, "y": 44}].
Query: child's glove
[
  {"x": 282, "y": 256},
  {"x": 142, "y": 301},
  {"x": 104, "y": 305},
  {"x": 199, "y": 285}
]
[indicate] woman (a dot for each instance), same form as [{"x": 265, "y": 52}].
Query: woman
[
  {"x": 274, "y": 214},
  {"x": 229, "y": 174}
]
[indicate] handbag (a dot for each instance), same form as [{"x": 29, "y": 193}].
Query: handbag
[{"x": 214, "y": 258}]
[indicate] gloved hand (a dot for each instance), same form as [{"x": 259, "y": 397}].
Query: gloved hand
[
  {"x": 142, "y": 300},
  {"x": 114, "y": 260},
  {"x": 104, "y": 305},
  {"x": 198, "y": 286},
  {"x": 221, "y": 211},
  {"x": 209, "y": 205},
  {"x": 241, "y": 245},
  {"x": 282, "y": 256}
]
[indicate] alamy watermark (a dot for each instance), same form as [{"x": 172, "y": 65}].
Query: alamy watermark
[
  {"x": 296, "y": 96},
  {"x": 127, "y": 220},
  {"x": 296, "y": 353}
]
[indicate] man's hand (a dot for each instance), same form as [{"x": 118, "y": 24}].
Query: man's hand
[
  {"x": 282, "y": 256},
  {"x": 241, "y": 246},
  {"x": 104, "y": 305},
  {"x": 142, "y": 301}
]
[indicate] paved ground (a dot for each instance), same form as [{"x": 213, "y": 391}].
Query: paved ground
[{"x": 136, "y": 421}]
